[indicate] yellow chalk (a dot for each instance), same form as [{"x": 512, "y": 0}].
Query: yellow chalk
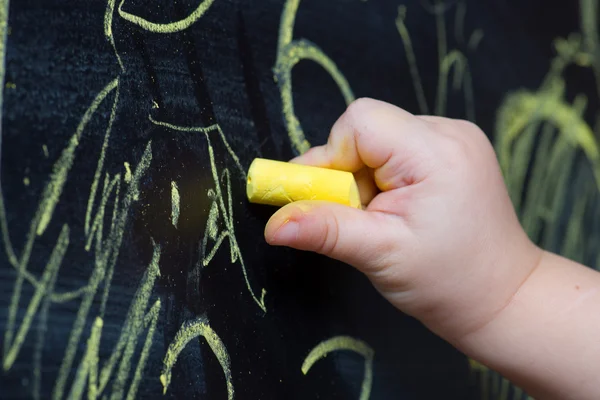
[{"x": 278, "y": 183}]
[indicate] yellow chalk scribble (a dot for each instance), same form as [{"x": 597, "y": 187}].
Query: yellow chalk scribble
[
  {"x": 171, "y": 27},
  {"x": 459, "y": 22},
  {"x": 289, "y": 53},
  {"x": 108, "y": 20},
  {"x": 523, "y": 108},
  {"x": 95, "y": 231},
  {"x": 493, "y": 385},
  {"x": 187, "y": 332},
  {"x": 63, "y": 165},
  {"x": 38, "y": 224},
  {"x": 4, "y": 7},
  {"x": 340, "y": 343},
  {"x": 412, "y": 60},
  {"x": 106, "y": 215},
  {"x": 220, "y": 206},
  {"x": 46, "y": 285},
  {"x": 136, "y": 322},
  {"x": 447, "y": 60},
  {"x": 588, "y": 15},
  {"x": 106, "y": 256},
  {"x": 175, "y": 200},
  {"x": 100, "y": 164},
  {"x": 457, "y": 60},
  {"x": 89, "y": 365},
  {"x": 563, "y": 133},
  {"x": 475, "y": 39},
  {"x": 127, "y": 176}
]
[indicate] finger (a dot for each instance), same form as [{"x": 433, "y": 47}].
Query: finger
[
  {"x": 376, "y": 135},
  {"x": 338, "y": 232},
  {"x": 366, "y": 185}
]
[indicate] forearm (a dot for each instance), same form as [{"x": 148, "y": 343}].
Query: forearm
[{"x": 547, "y": 340}]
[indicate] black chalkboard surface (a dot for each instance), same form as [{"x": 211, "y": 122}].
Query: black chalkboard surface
[{"x": 132, "y": 265}]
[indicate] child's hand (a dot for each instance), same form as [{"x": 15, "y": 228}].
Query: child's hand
[{"x": 438, "y": 237}]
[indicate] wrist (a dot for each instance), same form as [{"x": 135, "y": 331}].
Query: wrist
[
  {"x": 545, "y": 339},
  {"x": 496, "y": 279},
  {"x": 496, "y": 320}
]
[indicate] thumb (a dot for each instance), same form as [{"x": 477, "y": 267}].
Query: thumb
[{"x": 363, "y": 239}]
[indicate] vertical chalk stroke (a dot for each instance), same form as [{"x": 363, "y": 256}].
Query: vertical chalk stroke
[
  {"x": 89, "y": 364},
  {"x": 41, "y": 333},
  {"x": 127, "y": 176},
  {"x": 412, "y": 60},
  {"x": 439, "y": 11},
  {"x": 171, "y": 27},
  {"x": 4, "y": 11},
  {"x": 459, "y": 22},
  {"x": 62, "y": 167},
  {"x": 111, "y": 186},
  {"x": 454, "y": 58},
  {"x": 341, "y": 343},
  {"x": 150, "y": 322},
  {"x": 175, "y": 200},
  {"x": 591, "y": 41},
  {"x": 189, "y": 331},
  {"x": 573, "y": 245},
  {"x": 136, "y": 322},
  {"x": 4, "y": 8},
  {"x": 447, "y": 59},
  {"x": 100, "y": 164},
  {"x": 108, "y": 32},
  {"x": 495, "y": 386},
  {"x": 220, "y": 207},
  {"x": 289, "y": 53}
]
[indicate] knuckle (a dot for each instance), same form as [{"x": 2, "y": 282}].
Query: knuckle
[
  {"x": 466, "y": 126},
  {"x": 472, "y": 134},
  {"x": 358, "y": 106},
  {"x": 463, "y": 143},
  {"x": 359, "y": 112},
  {"x": 329, "y": 238}
]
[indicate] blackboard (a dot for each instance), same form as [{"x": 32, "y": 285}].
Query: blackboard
[{"x": 132, "y": 265}]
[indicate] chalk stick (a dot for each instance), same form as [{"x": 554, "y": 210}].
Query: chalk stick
[{"x": 278, "y": 183}]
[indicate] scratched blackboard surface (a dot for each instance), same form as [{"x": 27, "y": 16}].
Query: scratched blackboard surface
[{"x": 132, "y": 265}]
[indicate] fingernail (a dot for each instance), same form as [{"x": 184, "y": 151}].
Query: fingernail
[{"x": 286, "y": 233}]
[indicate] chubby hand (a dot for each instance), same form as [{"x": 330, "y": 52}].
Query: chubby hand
[{"x": 438, "y": 236}]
